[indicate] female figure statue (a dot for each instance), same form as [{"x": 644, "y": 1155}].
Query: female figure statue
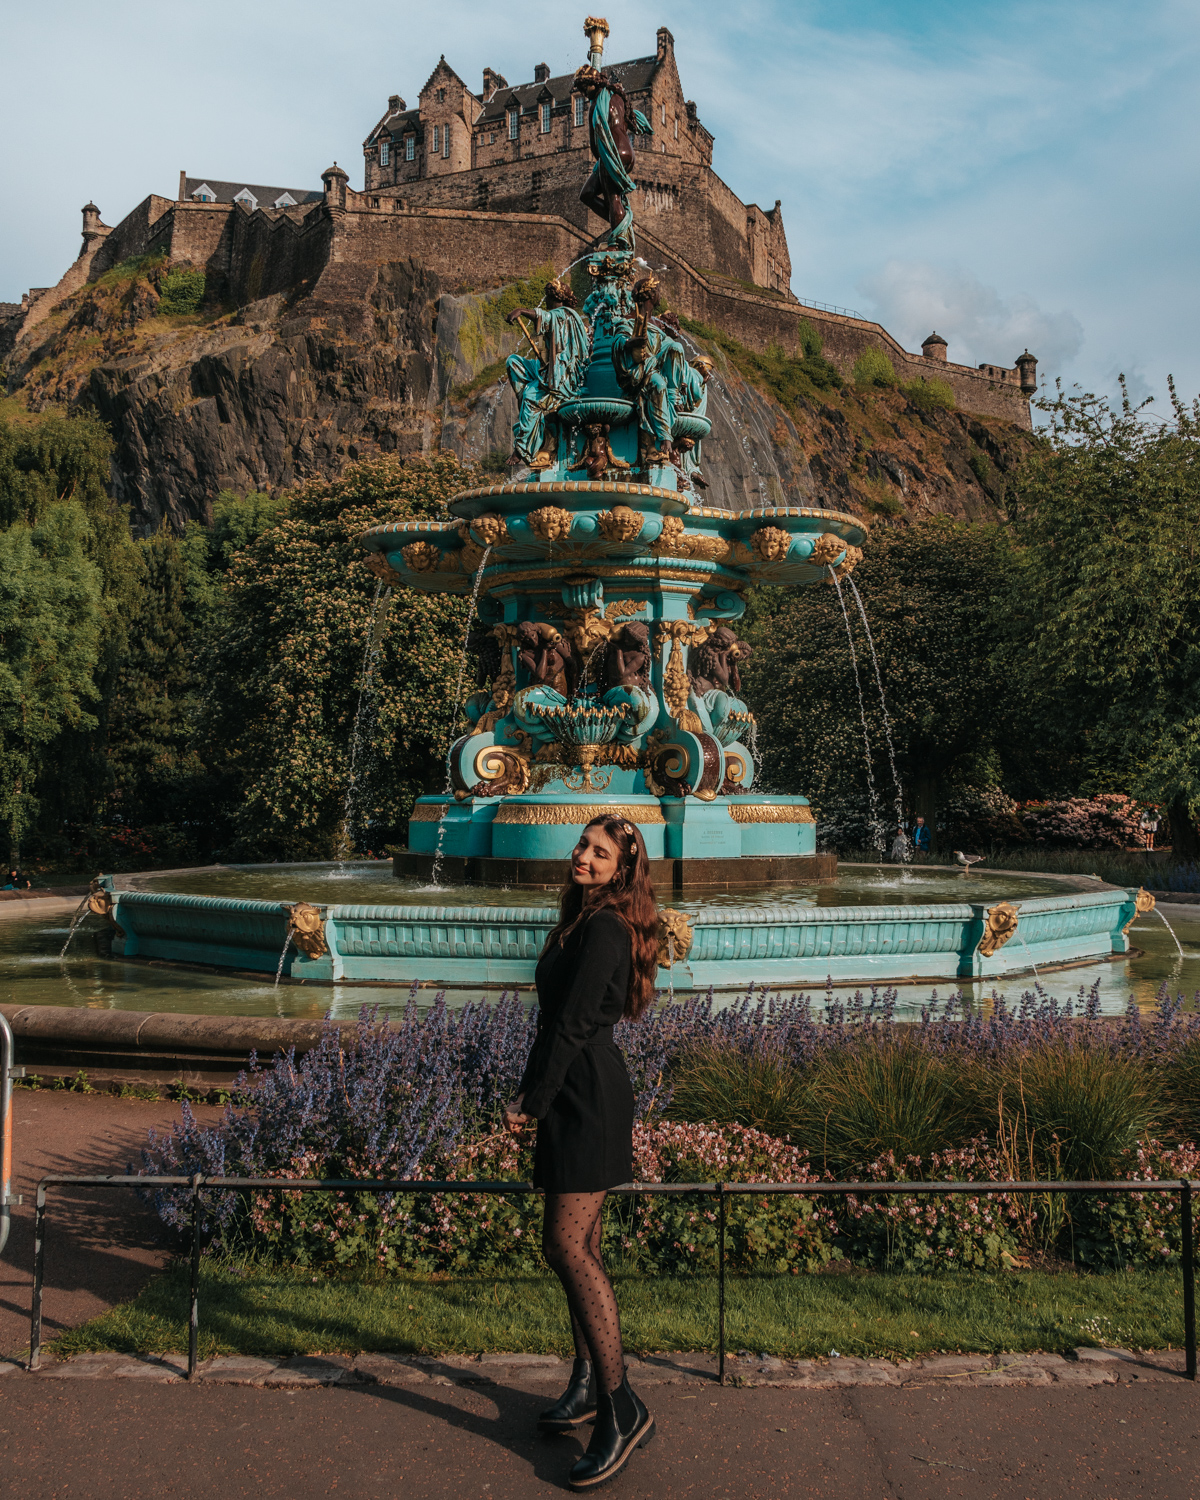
[
  {"x": 544, "y": 382},
  {"x": 611, "y": 119}
]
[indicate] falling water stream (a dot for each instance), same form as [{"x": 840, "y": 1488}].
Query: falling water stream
[
  {"x": 364, "y": 713},
  {"x": 438, "y": 853},
  {"x": 875, "y": 823},
  {"x": 287, "y": 943},
  {"x": 887, "y": 723},
  {"x": 1172, "y": 931},
  {"x": 80, "y": 913}
]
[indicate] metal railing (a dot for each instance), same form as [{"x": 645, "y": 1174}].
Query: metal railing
[
  {"x": 7, "y": 1074},
  {"x": 722, "y": 1191}
]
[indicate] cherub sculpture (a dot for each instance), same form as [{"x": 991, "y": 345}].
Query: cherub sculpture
[
  {"x": 597, "y": 456},
  {"x": 611, "y": 120},
  {"x": 716, "y": 683},
  {"x": 548, "y": 663},
  {"x": 627, "y": 678},
  {"x": 543, "y": 381}
]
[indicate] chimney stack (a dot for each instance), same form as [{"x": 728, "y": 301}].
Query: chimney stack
[
  {"x": 541, "y": 72},
  {"x": 666, "y": 43},
  {"x": 395, "y": 104},
  {"x": 492, "y": 81}
]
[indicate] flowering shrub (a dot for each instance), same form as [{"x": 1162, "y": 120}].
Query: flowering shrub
[
  {"x": 960, "y": 1231},
  {"x": 1137, "y": 1229},
  {"x": 1109, "y": 821},
  {"x": 679, "y": 1233}
]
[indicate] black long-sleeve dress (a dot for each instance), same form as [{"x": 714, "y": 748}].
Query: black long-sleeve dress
[{"x": 575, "y": 1082}]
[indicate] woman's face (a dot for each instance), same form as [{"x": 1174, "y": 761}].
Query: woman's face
[{"x": 595, "y": 858}]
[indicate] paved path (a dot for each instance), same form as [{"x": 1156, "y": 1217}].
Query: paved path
[
  {"x": 103, "y": 1245},
  {"x": 124, "y": 1440}
]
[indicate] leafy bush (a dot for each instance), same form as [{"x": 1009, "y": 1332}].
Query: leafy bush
[
  {"x": 1068, "y": 1109},
  {"x": 673, "y": 1234},
  {"x": 1181, "y": 1091},
  {"x": 872, "y": 1098},
  {"x": 931, "y": 395},
  {"x": 180, "y": 291},
  {"x": 873, "y": 367},
  {"x": 1108, "y": 821},
  {"x": 762, "y": 1090},
  {"x": 981, "y": 466},
  {"x": 960, "y": 1231},
  {"x": 1137, "y": 1229}
]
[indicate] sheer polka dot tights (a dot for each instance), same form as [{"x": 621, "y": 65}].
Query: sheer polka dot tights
[{"x": 571, "y": 1244}]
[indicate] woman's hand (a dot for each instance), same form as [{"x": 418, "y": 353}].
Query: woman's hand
[{"x": 514, "y": 1118}]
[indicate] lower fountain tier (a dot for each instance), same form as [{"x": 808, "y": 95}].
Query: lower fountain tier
[
  {"x": 546, "y": 826},
  {"x": 496, "y": 945}
]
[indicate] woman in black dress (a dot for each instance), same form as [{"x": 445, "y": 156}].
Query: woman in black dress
[{"x": 599, "y": 966}]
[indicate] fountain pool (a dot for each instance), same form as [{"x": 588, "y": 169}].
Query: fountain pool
[{"x": 94, "y": 976}]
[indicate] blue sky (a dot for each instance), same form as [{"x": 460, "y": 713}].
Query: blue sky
[{"x": 1012, "y": 173}]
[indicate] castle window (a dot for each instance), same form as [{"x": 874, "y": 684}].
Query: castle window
[
  {"x": 545, "y": 119},
  {"x": 663, "y": 111},
  {"x": 441, "y": 96},
  {"x": 246, "y": 197},
  {"x": 676, "y": 127},
  {"x": 514, "y": 125},
  {"x": 579, "y": 104},
  {"x": 445, "y": 140},
  {"x": 437, "y": 139},
  {"x": 491, "y": 137},
  {"x": 410, "y": 147},
  {"x": 384, "y": 152}
]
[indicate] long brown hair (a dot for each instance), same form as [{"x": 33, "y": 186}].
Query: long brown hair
[{"x": 628, "y": 895}]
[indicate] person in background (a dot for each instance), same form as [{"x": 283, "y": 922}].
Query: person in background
[
  {"x": 1148, "y": 823},
  {"x": 920, "y": 837},
  {"x": 16, "y": 882}
]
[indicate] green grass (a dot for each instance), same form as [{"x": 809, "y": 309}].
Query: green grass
[{"x": 269, "y": 1312}]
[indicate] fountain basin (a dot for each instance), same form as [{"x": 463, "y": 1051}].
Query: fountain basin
[{"x": 723, "y": 946}]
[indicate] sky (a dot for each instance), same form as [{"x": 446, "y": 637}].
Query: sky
[{"x": 1012, "y": 174}]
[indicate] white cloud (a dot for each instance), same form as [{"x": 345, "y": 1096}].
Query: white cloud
[{"x": 911, "y": 298}]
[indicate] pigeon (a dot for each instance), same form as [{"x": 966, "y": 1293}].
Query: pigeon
[{"x": 967, "y": 860}]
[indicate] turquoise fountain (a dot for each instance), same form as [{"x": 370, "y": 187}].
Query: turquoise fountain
[{"x": 607, "y": 595}]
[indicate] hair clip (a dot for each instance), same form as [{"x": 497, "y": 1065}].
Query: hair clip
[{"x": 628, "y": 827}]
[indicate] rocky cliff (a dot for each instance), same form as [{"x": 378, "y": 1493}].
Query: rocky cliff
[{"x": 373, "y": 359}]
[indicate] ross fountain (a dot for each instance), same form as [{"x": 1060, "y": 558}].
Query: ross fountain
[{"x": 608, "y": 595}]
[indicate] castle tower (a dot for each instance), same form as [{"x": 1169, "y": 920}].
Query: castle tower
[
  {"x": 934, "y": 347},
  {"x": 335, "y": 181},
  {"x": 1027, "y": 364}
]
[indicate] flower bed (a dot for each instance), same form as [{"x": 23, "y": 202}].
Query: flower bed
[{"x": 422, "y": 1100}]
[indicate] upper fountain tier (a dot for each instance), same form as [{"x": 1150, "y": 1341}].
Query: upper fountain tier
[{"x": 611, "y": 424}]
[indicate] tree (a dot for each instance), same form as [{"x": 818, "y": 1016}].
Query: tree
[
  {"x": 1101, "y": 614},
  {"x": 287, "y": 659},
  {"x": 51, "y": 628},
  {"x": 928, "y": 592}
]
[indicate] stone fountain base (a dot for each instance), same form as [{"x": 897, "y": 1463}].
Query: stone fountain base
[{"x": 666, "y": 874}]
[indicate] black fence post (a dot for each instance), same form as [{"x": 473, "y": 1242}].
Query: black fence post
[
  {"x": 39, "y": 1272},
  {"x": 721, "y": 1283},
  {"x": 1189, "y": 1279},
  {"x": 194, "y": 1312}
]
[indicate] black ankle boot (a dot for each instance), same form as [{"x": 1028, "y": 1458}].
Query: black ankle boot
[
  {"x": 622, "y": 1424},
  {"x": 576, "y": 1405}
]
